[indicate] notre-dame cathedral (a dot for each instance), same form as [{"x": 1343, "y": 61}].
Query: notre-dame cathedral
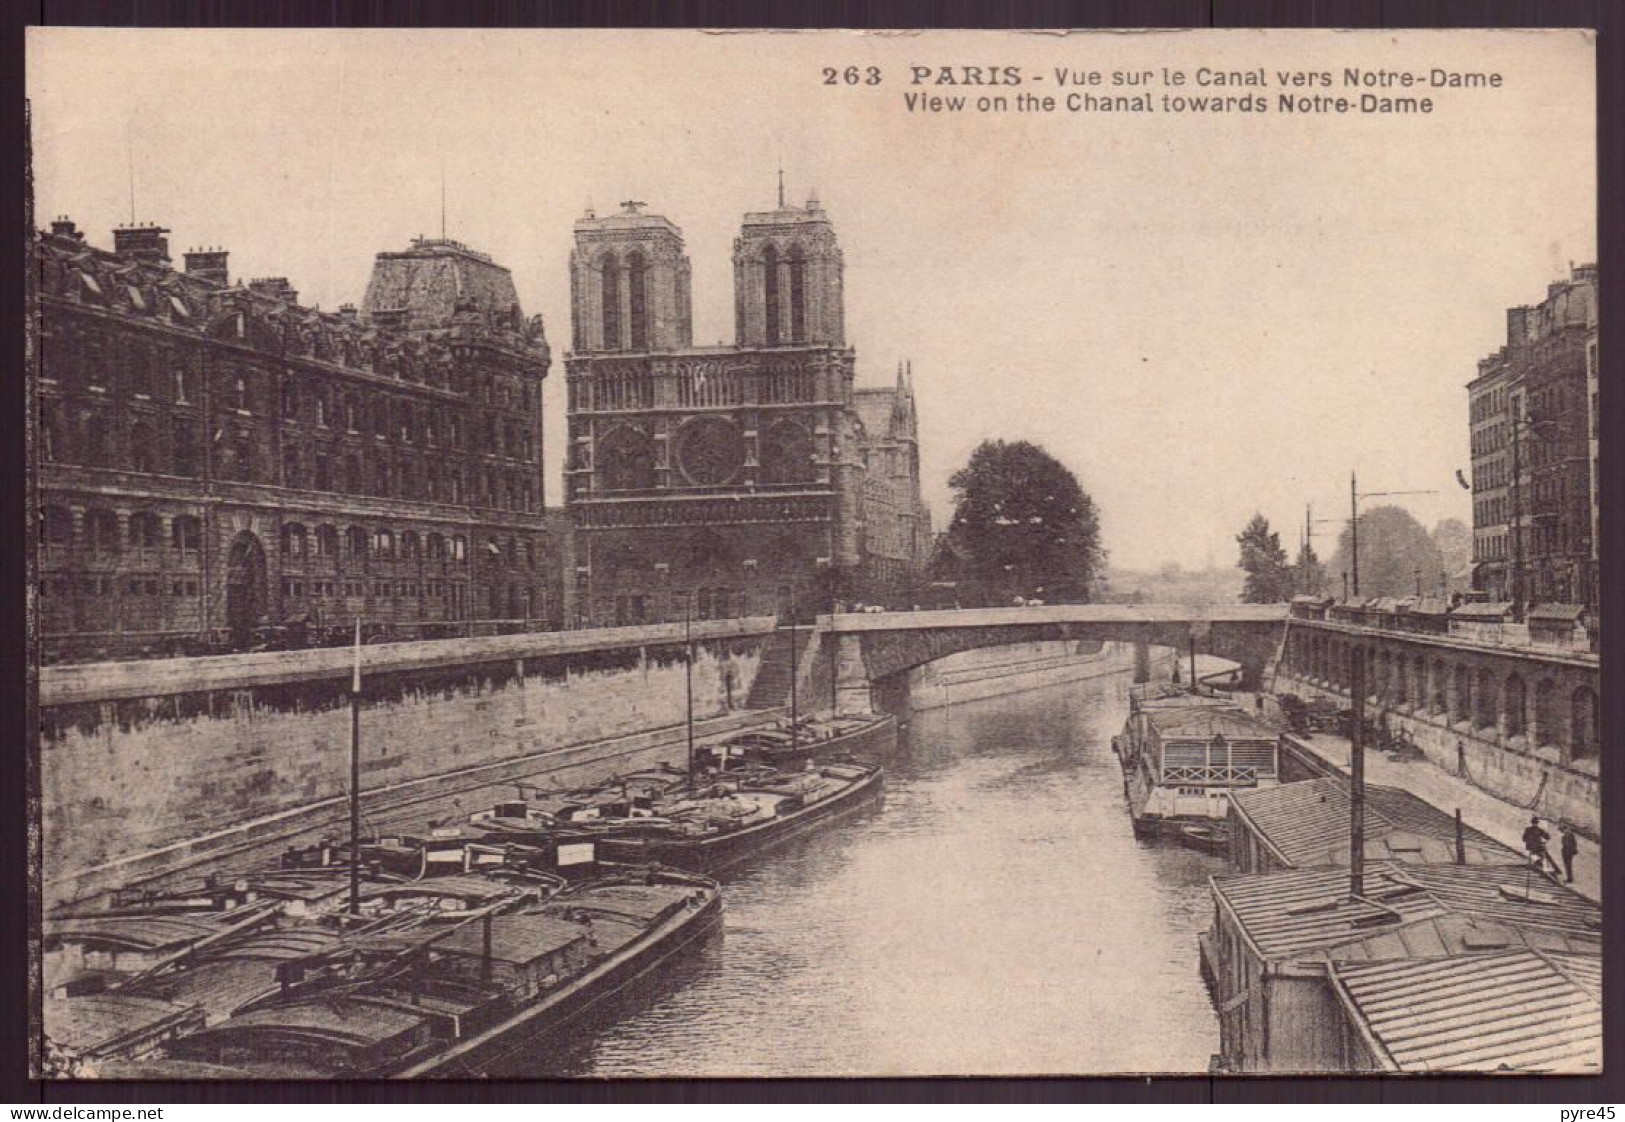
[{"x": 745, "y": 476}]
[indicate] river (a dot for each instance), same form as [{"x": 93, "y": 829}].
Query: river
[{"x": 996, "y": 916}]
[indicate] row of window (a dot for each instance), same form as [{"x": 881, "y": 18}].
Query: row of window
[
  {"x": 1488, "y": 405},
  {"x": 101, "y": 530},
  {"x": 320, "y": 469},
  {"x": 380, "y": 589},
  {"x": 103, "y": 585},
  {"x": 160, "y": 374},
  {"x": 632, "y": 390},
  {"x": 144, "y": 530}
]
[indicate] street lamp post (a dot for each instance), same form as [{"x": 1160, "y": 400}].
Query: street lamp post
[{"x": 827, "y": 566}]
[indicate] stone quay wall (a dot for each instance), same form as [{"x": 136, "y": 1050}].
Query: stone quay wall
[
  {"x": 137, "y": 756},
  {"x": 1522, "y": 722}
]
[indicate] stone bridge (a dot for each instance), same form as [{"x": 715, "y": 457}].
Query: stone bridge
[{"x": 871, "y": 647}]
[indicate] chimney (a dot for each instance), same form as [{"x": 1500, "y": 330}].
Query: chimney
[
  {"x": 208, "y": 265},
  {"x": 277, "y": 288},
  {"x": 63, "y": 227},
  {"x": 1518, "y": 325},
  {"x": 147, "y": 244}
]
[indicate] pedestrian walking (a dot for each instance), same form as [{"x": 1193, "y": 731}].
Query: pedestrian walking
[
  {"x": 1534, "y": 841},
  {"x": 1569, "y": 847}
]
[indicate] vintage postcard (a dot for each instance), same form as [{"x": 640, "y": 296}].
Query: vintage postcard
[{"x": 631, "y": 553}]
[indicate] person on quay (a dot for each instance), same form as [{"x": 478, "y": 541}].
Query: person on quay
[
  {"x": 1569, "y": 848},
  {"x": 1534, "y": 841}
]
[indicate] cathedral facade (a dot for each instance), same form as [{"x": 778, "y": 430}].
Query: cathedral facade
[
  {"x": 221, "y": 467},
  {"x": 729, "y": 480}
]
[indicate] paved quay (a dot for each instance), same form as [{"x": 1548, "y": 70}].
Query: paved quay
[{"x": 1501, "y": 820}]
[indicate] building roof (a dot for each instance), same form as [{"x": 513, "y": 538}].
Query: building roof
[
  {"x": 1302, "y": 914},
  {"x": 265, "y": 314},
  {"x": 1431, "y": 606},
  {"x": 1555, "y": 613},
  {"x": 1306, "y": 824},
  {"x": 514, "y": 938},
  {"x": 102, "y": 1022},
  {"x": 1298, "y": 911},
  {"x": 1492, "y": 610},
  {"x": 437, "y": 281},
  {"x": 1518, "y": 1011},
  {"x": 811, "y": 214},
  {"x": 1207, "y": 722}
]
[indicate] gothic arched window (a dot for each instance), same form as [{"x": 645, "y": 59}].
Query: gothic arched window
[
  {"x": 626, "y": 460},
  {"x": 798, "y": 296},
  {"x": 770, "y": 293},
  {"x": 638, "y": 299},
  {"x": 612, "y": 303}
]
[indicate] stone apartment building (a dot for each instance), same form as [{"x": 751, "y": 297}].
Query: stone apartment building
[
  {"x": 220, "y": 466},
  {"x": 1533, "y": 450}
]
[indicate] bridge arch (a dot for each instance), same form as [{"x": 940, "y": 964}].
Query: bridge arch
[{"x": 872, "y": 648}]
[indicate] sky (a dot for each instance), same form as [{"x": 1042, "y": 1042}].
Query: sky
[{"x": 1202, "y": 315}]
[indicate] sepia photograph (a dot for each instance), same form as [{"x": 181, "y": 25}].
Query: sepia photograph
[{"x": 634, "y": 554}]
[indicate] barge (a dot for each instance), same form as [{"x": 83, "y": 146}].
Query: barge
[
  {"x": 1183, "y": 756},
  {"x": 447, "y": 992}
]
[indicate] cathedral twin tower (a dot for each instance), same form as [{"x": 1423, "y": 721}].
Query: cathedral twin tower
[
  {"x": 722, "y": 477},
  {"x": 630, "y": 281}
]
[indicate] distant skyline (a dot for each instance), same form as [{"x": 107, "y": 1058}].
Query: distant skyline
[{"x": 1201, "y": 317}]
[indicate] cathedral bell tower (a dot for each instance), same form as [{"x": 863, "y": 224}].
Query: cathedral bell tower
[
  {"x": 629, "y": 284},
  {"x": 787, "y": 277}
]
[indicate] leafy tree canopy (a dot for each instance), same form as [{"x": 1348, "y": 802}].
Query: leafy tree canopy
[
  {"x": 1308, "y": 574},
  {"x": 1022, "y": 526},
  {"x": 1393, "y": 547},
  {"x": 1455, "y": 542},
  {"x": 1269, "y": 577}
]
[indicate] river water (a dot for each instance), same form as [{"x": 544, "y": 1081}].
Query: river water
[{"x": 995, "y": 916}]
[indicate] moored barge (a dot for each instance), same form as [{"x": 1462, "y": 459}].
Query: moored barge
[
  {"x": 1183, "y": 756},
  {"x": 446, "y": 993}
]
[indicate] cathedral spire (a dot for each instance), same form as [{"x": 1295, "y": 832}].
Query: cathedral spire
[{"x": 781, "y": 186}]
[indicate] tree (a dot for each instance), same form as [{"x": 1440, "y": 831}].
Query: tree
[
  {"x": 1455, "y": 542},
  {"x": 1022, "y": 526},
  {"x": 1308, "y": 574},
  {"x": 1269, "y": 578},
  {"x": 1393, "y": 547}
]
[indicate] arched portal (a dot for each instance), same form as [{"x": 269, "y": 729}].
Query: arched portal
[{"x": 245, "y": 587}]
